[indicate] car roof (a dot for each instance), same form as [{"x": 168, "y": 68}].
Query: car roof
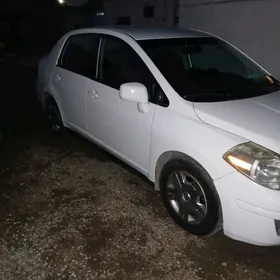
[{"x": 142, "y": 33}]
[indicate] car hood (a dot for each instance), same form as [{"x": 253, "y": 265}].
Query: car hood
[{"x": 256, "y": 119}]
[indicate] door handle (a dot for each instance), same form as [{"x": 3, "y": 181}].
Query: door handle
[
  {"x": 93, "y": 93},
  {"x": 57, "y": 77}
]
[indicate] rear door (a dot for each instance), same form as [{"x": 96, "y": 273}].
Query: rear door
[{"x": 76, "y": 64}]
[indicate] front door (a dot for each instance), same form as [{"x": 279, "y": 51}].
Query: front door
[{"x": 115, "y": 123}]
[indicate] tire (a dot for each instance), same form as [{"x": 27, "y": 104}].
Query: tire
[
  {"x": 53, "y": 117},
  {"x": 193, "y": 201}
]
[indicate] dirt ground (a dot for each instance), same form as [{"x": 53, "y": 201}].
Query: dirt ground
[{"x": 68, "y": 210}]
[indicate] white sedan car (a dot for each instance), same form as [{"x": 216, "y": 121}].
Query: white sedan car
[{"x": 190, "y": 111}]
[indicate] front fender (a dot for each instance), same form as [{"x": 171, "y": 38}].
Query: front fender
[{"x": 186, "y": 134}]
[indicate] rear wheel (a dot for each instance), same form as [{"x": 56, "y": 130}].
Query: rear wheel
[
  {"x": 54, "y": 117},
  {"x": 190, "y": 197}
]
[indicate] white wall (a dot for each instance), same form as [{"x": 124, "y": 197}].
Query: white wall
[
  {"x": 134, "y": 8},
  {"x": 253, "y": 26}
]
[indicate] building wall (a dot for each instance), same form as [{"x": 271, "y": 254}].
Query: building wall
[
  {"x": 252, "y": 25},
  {"x": 163, "y": 12}
]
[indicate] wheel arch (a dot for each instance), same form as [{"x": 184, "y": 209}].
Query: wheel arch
[
  {"x": 165, "y": 158},
  {"x": 46, "y": 96}
]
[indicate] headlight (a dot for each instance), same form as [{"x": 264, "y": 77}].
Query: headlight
[{"x": 258, "y": 163}]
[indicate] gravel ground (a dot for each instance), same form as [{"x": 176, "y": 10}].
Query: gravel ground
[{"x": 68, "y": 210}]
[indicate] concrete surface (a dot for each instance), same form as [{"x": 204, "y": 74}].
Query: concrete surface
[
  {"x": 251, "y": 25},
  {"x": 163, "y": 12},
  {"x": 68, "y": 210}
]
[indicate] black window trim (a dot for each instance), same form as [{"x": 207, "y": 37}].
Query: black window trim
[
  {"x": 65, "y": 45},
  {"x": 152, "y": 79},
  {"x": 98, "y": 57},
  {"x": 62, "y": 52}
]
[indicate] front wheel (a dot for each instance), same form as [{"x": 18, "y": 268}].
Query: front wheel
[
  {"x": 190, "y": 197},
  {"x": 54, "y": 117}
]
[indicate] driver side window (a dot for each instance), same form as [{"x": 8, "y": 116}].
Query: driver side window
[{"x": 120, "y": 64}]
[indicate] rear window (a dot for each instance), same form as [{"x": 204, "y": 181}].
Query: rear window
[{"x": 80, "y": 55}]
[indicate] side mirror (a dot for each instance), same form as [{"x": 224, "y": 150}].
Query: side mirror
[{"x": 136, "y": 92}]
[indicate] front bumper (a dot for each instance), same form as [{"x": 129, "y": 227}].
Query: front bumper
[{"x": 250, "y": 211}]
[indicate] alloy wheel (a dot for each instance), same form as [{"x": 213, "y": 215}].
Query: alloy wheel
[{"x": 186, "y": 197}]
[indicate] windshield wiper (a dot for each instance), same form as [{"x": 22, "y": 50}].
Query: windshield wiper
[
  {"x": 205, "y": 96},
  {"x": 263, "y": 87},
  {"x": 249, "y": 89}
]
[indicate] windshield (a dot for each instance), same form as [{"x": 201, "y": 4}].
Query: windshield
[{"x": 207, "y": 69}]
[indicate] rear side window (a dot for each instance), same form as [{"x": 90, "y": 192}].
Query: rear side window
[
  {"x": 120, "y": 64},
  {"x": 80, "y": 55}
]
